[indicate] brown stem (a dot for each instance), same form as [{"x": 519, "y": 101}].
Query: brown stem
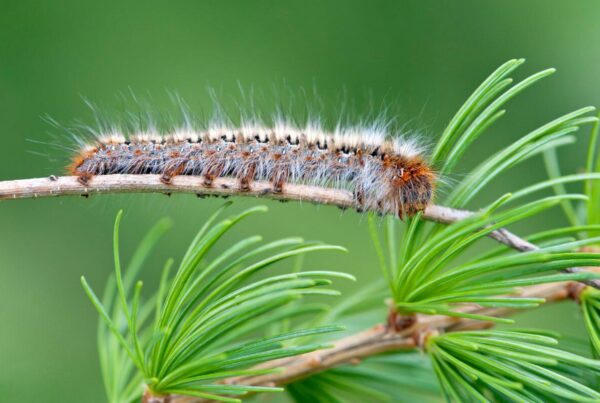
[{"x": 150, "y": 397}]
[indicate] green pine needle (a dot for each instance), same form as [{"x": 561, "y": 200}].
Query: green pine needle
[
  {"x": 199, "y": 327},
  {"x": 590, "y": 306},
  {"x": 390, "y": 378},
  {"x": 427, "y": 279},
  {"x": 508, "y": 365}
]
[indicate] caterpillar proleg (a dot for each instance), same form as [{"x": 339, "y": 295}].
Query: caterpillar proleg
[{"x": 387, "y": 174}]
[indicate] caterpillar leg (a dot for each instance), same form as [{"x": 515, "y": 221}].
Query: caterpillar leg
[
  {"x": 246, "y": 178},
  {"x": 279, "y": 178},
  {"x": 208, "y": 180},
  {"x": 359, "y": 200},
  {"x": 84, "y": 178},
  {"x": 174, "y": 169},
  {"x": 211, "y": 173}
]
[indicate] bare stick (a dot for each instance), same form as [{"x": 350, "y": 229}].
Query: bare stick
[{"x": 69, "y": 185}]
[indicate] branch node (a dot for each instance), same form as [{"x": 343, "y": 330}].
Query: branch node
[
  {"x": 315, "y": 362},
  {"x": 397, "y": 322},
  {"x": 574, "y": 290},
  {"x": 422, "y": 335},
  {"x": 150, "y": 397}
]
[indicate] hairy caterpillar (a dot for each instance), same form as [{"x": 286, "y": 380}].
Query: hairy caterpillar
[{"x": 383, "y": 173}]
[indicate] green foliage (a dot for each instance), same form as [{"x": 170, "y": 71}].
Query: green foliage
[
  {"x": 207, "y": 317},
  {"x": 121, "y": 377},
  {"x": 513, "y": 365},
  {"x": 377, "y": 379},
  {"x": 421, "y": 267},
  {"x": 585, "y": 211},
  {"x": 478, "y": 113},
  {"x": 589, "y": 212},
  {"x": 590, "y": 306},
  {"x": 586, "y": 218},
  {"x": 424, "y": 277},
  {"x": 592, "y": 189}
]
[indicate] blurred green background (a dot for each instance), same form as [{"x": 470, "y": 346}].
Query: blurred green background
[{"x": 425, "y": 57}]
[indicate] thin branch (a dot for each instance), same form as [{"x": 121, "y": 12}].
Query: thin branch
[
  {"x": 69, "y": 185},
  {"x": 382, "y": 338}
]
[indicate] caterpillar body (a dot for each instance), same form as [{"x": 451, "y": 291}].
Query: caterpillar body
[{"x": 383, "y": 173}]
